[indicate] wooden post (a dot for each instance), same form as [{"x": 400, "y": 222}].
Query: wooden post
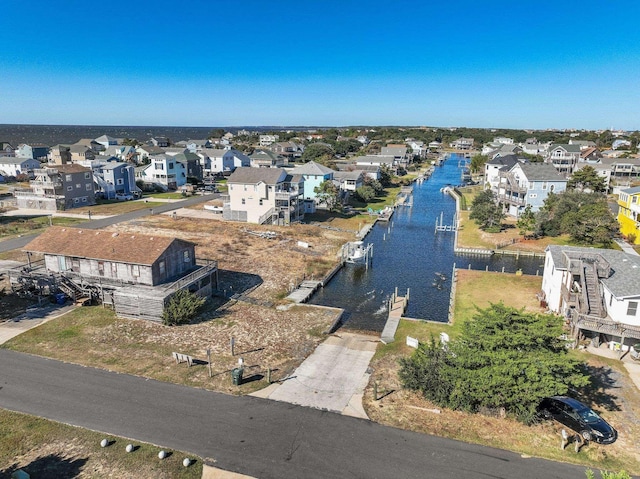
[
  {"x": 209, "y": 361},
  {"x": 621, "y": 344},
  {"x": 233, "y": 344},
  {"x": 375, "y": 390},
  {"x": 269, "y": 375}
]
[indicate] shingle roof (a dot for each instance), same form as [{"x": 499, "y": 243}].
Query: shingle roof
[
  {"x": 568, "y": 148},
  {"x": 631, "y": 191},
  {"x": 312, "y": 168},
  {"x": 624, "y": 280},
  {"x": 101, "y": 245},
  {"x": 540, "y": 172},
  {"x": 252, "y": 176},
  {"x": 69, "y": 168},
  {"x": 11, "y": 160}
]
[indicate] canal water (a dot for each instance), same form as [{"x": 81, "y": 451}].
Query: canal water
[{"x": 408, "y": 253}]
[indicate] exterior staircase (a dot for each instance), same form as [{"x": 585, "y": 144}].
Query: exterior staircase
[
  {"x": 592, "y": 290},
  {"x": 71, "y": 289}
]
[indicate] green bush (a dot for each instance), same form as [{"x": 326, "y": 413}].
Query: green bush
[{"x": 182, "y": 308}]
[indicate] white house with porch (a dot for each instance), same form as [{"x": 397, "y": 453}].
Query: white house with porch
[{"x": 596, "y": 290}]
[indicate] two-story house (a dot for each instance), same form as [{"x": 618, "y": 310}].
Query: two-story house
[
  {"x": 14, "y": 166},
  {"x": 58, "y": 188},
  {"x": 314, "y": 174},
  {"x": 6, "y": 149},
  {"x": 528, "y": 184},
  {"x": 266, "y": 159},
  {"x": 80, "y": 153},
  {"x": 268, "y": 140},
  {"x": 163, "y": 171},
  {"x": 36, "y": 151},
  {"x": 264, "y": 196},
  {"x": 114, "y": 177},
  {"x": 629, "y": 214},
  {"x": 288, "y": 149},
  {"x": 462, "y": 144},
  {"x": 493, "y": 167},
  {"x": 106, "y": 141},
  {"x": 563, "y": 157},
  {"x": 216, "y": 161},
  {"x": 597, "y": 290},
  {"x": 59, "y": 155}
]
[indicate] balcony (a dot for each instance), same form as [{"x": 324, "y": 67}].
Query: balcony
[
  {"x": 604, "y": 325},
  {"x": 46, "y": 184},
  {"x": 511, "y": 199},
  {"x": 286, "y": 195},
  {"x": 569, "y": 297}
]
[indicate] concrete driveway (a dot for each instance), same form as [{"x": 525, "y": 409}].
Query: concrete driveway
[
  {"x": 333, "y": 377},
  {"x": 32, "y": 318}
]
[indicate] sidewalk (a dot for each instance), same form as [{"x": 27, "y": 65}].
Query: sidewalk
[
  {"x": 626, "y": 247},
  {"x": 58, "y": 214}
]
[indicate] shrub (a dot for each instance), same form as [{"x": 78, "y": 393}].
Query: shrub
[{"x": 182, "y": 308}]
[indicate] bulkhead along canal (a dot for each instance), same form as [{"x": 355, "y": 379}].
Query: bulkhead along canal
[{"x": 408, "y": 253}]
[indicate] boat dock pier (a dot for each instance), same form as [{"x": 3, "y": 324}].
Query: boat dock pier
[
  {"x": 397, "y": 307},
  {"x": 304, "y": 291}
]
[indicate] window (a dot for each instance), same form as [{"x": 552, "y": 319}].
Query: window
[
  {"x": 161, "y": 266},
  {"x": 135, "y": 270},
  {"x": 76, "y": 201},
  {"x": 159, "y": 166},
  {"x": 244, "y": 202},
  {"x": 544, "y": 185},
  {"x": 89, "y": 187},
  {"x": 87, "y": 176},
  {"x": 634, "y": 199},
  {"x": 101, "y": 268},
  {"x": 84, "y": 199},
  {"x": 69, "y": 188},
  {"x": 170, "y": 166},
  {"x": 261, "y": 201},
  {"x": 78, "y": 185},
  {"x": 632, "y": 309},
  {"x": 68, "y": 178},
  {"x": 533, "y": 195},
  {"x": 119, "y": 181},
  {"x": 186, "y": 257}
]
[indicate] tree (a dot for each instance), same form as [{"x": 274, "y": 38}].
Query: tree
[
  {"x": 587, "y": 179},
  {"x": 375, "y": 184},
  {"x": 130, "y": 142},
  {"x": 385, "y": 176},
  {"x": 319, "y": 152},
  {"x": 486, "y": 212},
  {"x": 365, "y": 193},
  {"x": 527, "y": 222},
  {"x": 327, "y": 194},
  {"x": 182, "y": 308},
  {"x": 477, "y": 163},
  {"x": 504, "y": 358},
  {"x": 585, "y": 216}
]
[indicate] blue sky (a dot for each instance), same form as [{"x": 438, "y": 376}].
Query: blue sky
[{"x": 500, "y": 64}]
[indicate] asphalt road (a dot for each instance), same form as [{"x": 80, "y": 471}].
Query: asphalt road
[
  {"x": 262, "y": 438},
  {"x": 16, "y": 243}
]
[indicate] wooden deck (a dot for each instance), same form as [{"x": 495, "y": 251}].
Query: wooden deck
[
  {"x": 303, "y": 292},
  {"x": 397, "y": 307}
]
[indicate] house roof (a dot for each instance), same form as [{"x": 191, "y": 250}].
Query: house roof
[
  {"x": 540, "y": 172},
  {"x": 150, "y": 149},
  {"x": 393, "y": 150},
  {"x": 101, "y": 245},
  {"x": 251, "y": 176},
  {"x": 188, "y": 156},
  {"x": 631, "y": 191},
  {"x": 507, "y": 160},
  {"x": 312, "y": 168},
  {"x": 11, "y": 160},
  {"x": 69, "y": 168},
  {"x": 347, "y": 175},
  {"x": 568, "y": 148},
  {"x": 624, "y": 279},
  {"x": 265, "y": 155},
  {"x": 388, "y": 160},
  {"x": 213, "y": 152},
  {"x": 106, "y": 138}
]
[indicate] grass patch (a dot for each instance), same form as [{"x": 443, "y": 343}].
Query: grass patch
[
  {"x": 11, "y": 226},
  {"x": 45, "y": 448},
  {"x": 171, "y": 195},
  {"x": 114, "y": 207}
]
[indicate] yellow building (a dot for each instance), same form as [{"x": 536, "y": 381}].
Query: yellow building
[{"x": 629, "y": 214}]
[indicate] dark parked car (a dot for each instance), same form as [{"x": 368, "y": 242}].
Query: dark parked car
[{"x": 582, "y": 419}]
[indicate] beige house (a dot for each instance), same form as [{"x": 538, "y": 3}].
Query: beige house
[{"x": 264, "y": 196}]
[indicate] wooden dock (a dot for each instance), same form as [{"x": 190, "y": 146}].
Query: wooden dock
[
  {"x": 304, "y": 291},
  {"x": 397, "y": 307}
]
